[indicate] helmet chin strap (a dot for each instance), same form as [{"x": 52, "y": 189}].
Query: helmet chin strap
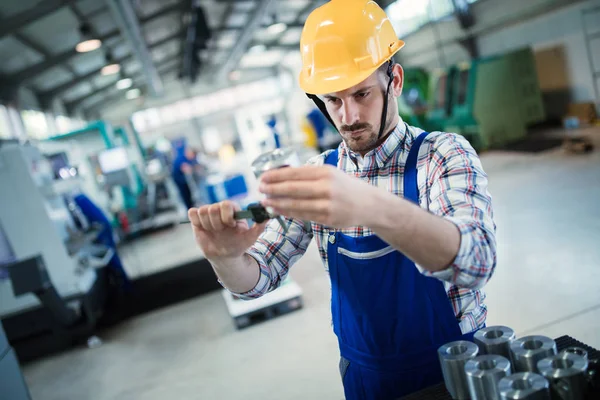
[
  {"x": 390, "y": 74},
  {"x": 321, "y": 105}
]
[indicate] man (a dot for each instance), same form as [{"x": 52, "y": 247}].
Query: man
[
  {"x": 184, "y": 164},
  {"x": 402, "y": 218}
]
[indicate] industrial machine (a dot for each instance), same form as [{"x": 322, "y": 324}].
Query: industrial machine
[
  {"x": 12, "y": 383},
  {"x": 491, "y": 101},
  {"x": 413, "y": 103},
  {"x": 52, "y": 282},
  {"x": 134, "y": 189}
]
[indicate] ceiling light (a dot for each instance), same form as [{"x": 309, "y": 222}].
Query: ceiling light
[
  {"x": 277, "y": 28},
  {"x": 88, "y": 45},
  {"x": 133, "y": 94},
  {"x": 124, "y": 83},
  {"x": 259, "y": 48},
  {"x": 88, "y": 41},
  {"x": 235, "y": 75},
  {"x": 110, "y": 69}
]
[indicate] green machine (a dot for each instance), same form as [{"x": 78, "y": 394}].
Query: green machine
[
  {"x": 492, "y": 100},
  {"x": 413, "y": 103},
  {"x": 440, "y": 99}
]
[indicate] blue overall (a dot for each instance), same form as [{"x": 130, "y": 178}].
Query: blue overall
[{"x": 389, "y": 318}]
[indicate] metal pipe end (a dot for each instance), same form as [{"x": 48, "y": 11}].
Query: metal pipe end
[
  {"x": 576, "y": 350},
  {"x": 529, "y": 345},
  {"x": 524, "y": 385},
  {"x": 562, "y": 365},
  {"x": 458, "y": 350},
  {"x": 494, "y": 335},
  {"x": 487, "y": 364}
]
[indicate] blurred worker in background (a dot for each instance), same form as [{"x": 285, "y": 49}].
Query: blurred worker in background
[
  {"x": 184, "y": 166},
  {"x": 402, "y": 218}
]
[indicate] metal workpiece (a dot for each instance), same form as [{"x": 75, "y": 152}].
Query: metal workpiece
[
  {"x": 524, "y": 386},
  {"x": 495, "y": 340},
  {"x": 567, "y": 375},
  {"x": 528, "y": 350},
  {"x": 576, "y": 350},
  {"x": 453, "y": 356},
  {"x": 278, "y": 158},
  {"x": 483, "y": 374}
]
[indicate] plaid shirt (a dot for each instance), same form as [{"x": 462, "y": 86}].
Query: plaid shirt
[{"x": 452, "y": 184}]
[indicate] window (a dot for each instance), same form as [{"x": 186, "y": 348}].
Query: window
[
  {"x": 407, "y": 16},
  {"x": 5, "y": 132}
]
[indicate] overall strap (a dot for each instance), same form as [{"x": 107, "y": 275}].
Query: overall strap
[
  {"x": 411, "y": 185},
  {"x": 332, "y": 158}
]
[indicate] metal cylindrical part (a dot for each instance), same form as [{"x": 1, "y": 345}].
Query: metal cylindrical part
[
  {"x": 495, "y": 340},
  {"x": 524, "y": 386},
  {"x": 483, "y": 374},
  {"x": 278, "y": 158},
  {"x": 576, "y": 350},
  {"x": 527, "y": 351},
  {"x": 453, "y": 357},
  {"x": 567, "y": 374}
]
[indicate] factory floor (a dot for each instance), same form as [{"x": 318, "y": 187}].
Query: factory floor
[{"x": 547, "y": 282}]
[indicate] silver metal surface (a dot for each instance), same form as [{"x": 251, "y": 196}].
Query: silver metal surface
[
  {"x": 566, "y": 373},
  {"x": 453, "y": 356},
  {"x": 524, "y": 386},
  {"x": 495, "y": 340},
  {"x": 277, "y": 158},
  {"x": 576, "y": 350},
  {"x": 528, "y": 350},
  {"x": 483, "y": 374}
]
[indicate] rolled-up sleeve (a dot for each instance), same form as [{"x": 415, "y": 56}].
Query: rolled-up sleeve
[
  {"x": 275, "y": 252},
  {"x": 459, "y": 192}
]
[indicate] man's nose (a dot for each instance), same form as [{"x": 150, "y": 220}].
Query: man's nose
[{"x": 349, "y": 112}]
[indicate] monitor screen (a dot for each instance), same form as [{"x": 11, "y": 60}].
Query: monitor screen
[{"x": 113, "y": 160}]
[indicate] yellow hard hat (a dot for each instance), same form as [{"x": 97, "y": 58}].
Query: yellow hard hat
[{"x": 342, "y": 43}]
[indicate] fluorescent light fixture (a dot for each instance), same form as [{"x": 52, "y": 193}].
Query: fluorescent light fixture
[
  {"x": 277, "y": 28},
  {"x": 88, "y": 45},
  {"x": 110, "y": 69},
  {"x": 124, "y": 84},
  {"x": 133, "y": 94},
  {"x": 235, "y": 75},
  {"x": 259, "y": 48}
]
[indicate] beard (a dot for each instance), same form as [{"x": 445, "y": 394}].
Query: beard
[{"x": 367, "y": 139}]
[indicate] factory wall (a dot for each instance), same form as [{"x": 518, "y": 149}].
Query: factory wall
[{"x": 510, "y": 24}]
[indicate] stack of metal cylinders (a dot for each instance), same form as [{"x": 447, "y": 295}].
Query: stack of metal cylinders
[
  {"x": 495, "y": 340},
  {"x": 528, "y": 350},
  {"x": 453, "y": 356},
  {"x": 567, "y": 375},
  {"x": 483, "y": 374},
  {"x": 524, "y": 386}
]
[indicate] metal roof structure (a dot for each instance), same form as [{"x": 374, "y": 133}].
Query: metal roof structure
[{"x": 38, "y": 41}]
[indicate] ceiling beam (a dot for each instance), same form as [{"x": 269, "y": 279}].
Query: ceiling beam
[
  {"x": 137, "y": 75},
  {"x": 28, "y": 73},
  {"x": 57, "y": 91},
  {"x": 221, "y": 29},
  {"x": 12, "y": 24},
  {"x": 118, "y": 95}
]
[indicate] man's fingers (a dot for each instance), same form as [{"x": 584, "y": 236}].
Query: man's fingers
[
  {"x": 204, "y": 219},
  {"x": 214, "y": 216},
  {"x": 304, "y": 173},
  {"x": 193, "y": 217},
  {"x": 297, "y": 189},
  {"x": 227, "y": 210}
]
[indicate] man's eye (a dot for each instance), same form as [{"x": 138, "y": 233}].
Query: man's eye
[
  {"x": 362, "y": 95},
  {"x": 332, "y": 100}
]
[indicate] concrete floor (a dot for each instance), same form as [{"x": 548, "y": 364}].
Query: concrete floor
[{"x": 547, "y": 282}]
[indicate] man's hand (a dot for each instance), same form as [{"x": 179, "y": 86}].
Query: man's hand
[
  {"x": 218, "y": 234},
  {"x": 324, "y": 195}
]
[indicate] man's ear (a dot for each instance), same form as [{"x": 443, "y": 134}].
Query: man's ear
[{"x": 398, "y": 72}]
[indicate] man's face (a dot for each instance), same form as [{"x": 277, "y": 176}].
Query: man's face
[{"x": 356, "y": 111}]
